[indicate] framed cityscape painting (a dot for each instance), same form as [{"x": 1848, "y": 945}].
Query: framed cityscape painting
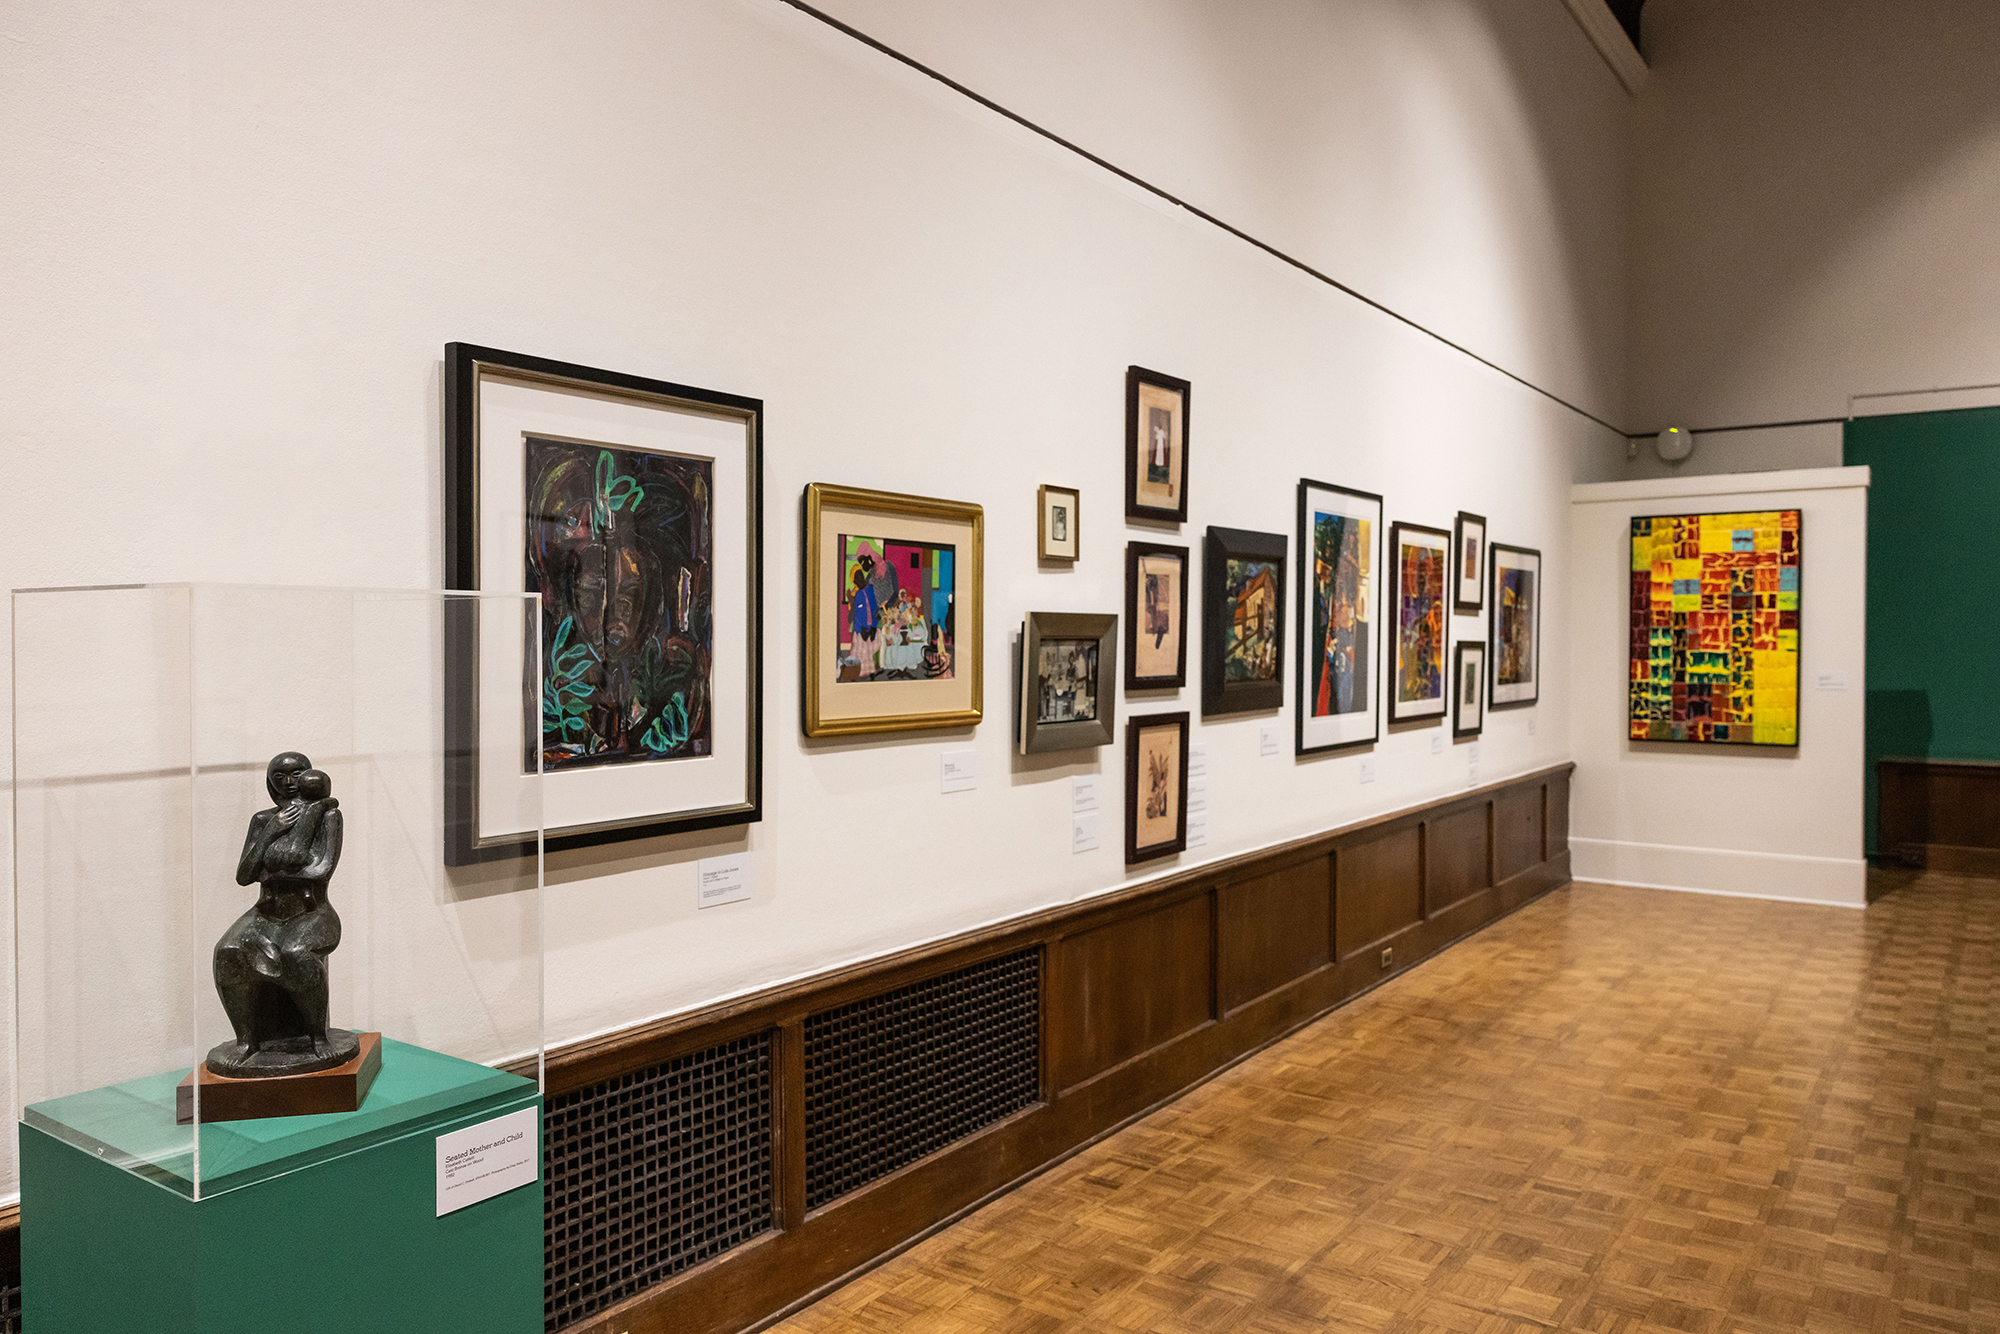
[
  {"x": 1421, "y": 562},
  {"x": 1156, "y": 603},
  {"x": 892, "y": 633},
  {"x": 1715, "y": 628},
  {"x": 1242, "y": 621},
  {"x": 1340, "y": 634},
  {"x": 1156, "y": 767},
  {"x": 1058, "y": 517},
  {"x": 1468, "y": 687},
  {"x": 1468, "y": 563},
  {"x": 1069, "y": 681},
  {"x": 1516, "y": 627},
  {"x": 634, "y": 509},
  {"x": 1156, "y": 445}
]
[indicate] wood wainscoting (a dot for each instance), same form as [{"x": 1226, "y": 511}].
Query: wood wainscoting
[
  {"x": 887, "y": 1098},
  {"x": 1943, "y": 815}
]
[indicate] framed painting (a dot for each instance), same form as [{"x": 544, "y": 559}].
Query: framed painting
[
  {"x": 1421, "y": 561},
  {"x": 1242, "y": 621},
  {"x": 1069, "y": 681},
  {"x": 1156, "y": 445},
  {"x": 1340, "y": 635},
  {"x": 1058, "y": 515},
  {"x": 1468, "y": 692},
  {"x": 1468, "y": 562},
  {"x": 634, "y": 508},
  {"x": 1156, "y": 603},
  {"x": 1715, "y": 628},
  {"x": 1516, "y": 628},
  {"x": 893, "y": 634},
  {"x": 1156, "y": 764}
]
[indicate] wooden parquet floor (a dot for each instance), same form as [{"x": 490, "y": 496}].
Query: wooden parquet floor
[{"x": 1618, "y": 1111}]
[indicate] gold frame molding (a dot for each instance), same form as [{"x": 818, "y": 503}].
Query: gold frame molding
[{"x": 969, "y": 646}]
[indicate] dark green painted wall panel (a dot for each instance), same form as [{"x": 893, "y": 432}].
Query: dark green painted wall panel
[{"x": 1933, "y": 597}]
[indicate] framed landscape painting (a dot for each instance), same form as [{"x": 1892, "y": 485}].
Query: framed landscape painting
[
  {"x": 1417, "y": 671},
  {"x": 1156, "y": 603},
  {"x": 633, "y": 507},
  {"x": 1516, "y": 628},
  {"x": 1156, "y": 445},
  {"x": 1340, "y": 632},
  {"x": 1069, "y": 681},
  {"x": 1156, "y": 767},
  {"x": 892, "y": 635},
  {"x": 1715, "y": 628},
  {"x": 1242, "y": 621}
]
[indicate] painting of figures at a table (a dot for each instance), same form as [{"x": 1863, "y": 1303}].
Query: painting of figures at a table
[{"x": 896, "y": 604}]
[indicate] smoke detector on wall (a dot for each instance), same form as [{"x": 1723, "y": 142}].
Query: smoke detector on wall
[{"x": 1673, "y": 444}]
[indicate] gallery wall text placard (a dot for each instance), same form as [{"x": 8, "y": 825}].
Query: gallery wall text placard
[
  {"x": 488, "y": 1159},
  {"x": 720, "y": 880}
]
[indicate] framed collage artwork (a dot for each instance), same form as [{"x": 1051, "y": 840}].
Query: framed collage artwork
[
  {"x": 1468, "y": 563},
  {"x": 1069, "y": 681},
  {"x": 1156, "y": 771},
  {"x": 1516, "y": 627},
  {"x": 1156, "y": 604},
  {"x": 634, "y": 508},
  {"x": 1419, "y": 570},
  {"x": 1156, "y": 445},
  {"x": 1242, "y": 621},
  {"x": 893, "y": 636},
  {"x": 1340, "y": 632}
]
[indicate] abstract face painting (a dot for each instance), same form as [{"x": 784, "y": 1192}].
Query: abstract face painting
[{"x": 618, "y": 545}]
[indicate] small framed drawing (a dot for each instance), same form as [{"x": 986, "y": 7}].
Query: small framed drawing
[
  {"x": 1340, "y": 630},
  {"x": 1420, "y": 566},
  {"x": 1468, "y": 548},
  {"x": 1156, "y": 602},
  {"x": 1468, "y": 697},
  {"x": 892, "y": 612},
  {"x": 1156, "y": 445},
  {"x": 1056, "y": 535},
  {"x": 1242, "y": 621},
  {"x": 1516, "y": 627},
  {"x": 634, "y": 508},
  {"x": 1156, "y": 763},
  {"x": 1069, "y": 675}
]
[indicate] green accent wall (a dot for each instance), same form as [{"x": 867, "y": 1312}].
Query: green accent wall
[{"x": 1933, "y": 601}]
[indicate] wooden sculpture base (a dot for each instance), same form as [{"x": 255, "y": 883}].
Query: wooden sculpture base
[{"x": 340, "y": 1089}]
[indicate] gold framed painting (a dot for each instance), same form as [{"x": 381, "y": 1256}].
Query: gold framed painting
[{"x": 893, "y": 633}]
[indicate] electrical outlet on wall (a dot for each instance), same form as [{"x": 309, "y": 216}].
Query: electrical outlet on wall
[{"x": 1389, "y": 957}]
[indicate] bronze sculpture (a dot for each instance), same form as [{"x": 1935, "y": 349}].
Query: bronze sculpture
[{"x": 270, "y": 965}]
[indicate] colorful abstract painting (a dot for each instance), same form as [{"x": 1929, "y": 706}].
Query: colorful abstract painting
[
  {"x": 1715, "y": 628},
  {"x": 618, "y": 546},
  {"x": 896, "y": 610},
  {"x": 1343, "y": 548},
  {"x": 1250, "y": 634},
  {"x": 1420, "y": 619}
]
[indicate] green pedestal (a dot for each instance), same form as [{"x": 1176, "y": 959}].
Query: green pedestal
[{"x": 307, "y": 1224}]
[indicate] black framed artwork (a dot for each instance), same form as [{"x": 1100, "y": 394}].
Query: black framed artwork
[
  {"x": 1242, "y": 621},
  {"x": 633, "y": 508},
  {"x": 1468, "y": 563},
  {"x": 1340, "y": 617},
  {"x": 1468, "y": 687},
  {"x": 1515, "y": 662},
  {"x": 1156, "y": 445},
  {"x": 1156, "y": 769},
  {"x": 1420, "y": 563},
  {"x": 1156, "y": 609}
]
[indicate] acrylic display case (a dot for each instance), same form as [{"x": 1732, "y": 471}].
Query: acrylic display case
[{"x": 143, "y": 721}]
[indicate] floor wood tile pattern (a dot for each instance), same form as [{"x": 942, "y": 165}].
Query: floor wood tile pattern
[{"x": 1621, "y": 1111}]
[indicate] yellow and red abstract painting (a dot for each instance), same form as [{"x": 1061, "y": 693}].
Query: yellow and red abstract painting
[{"x": 1715, "y": 628}]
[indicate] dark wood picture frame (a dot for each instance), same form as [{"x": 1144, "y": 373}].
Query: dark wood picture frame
[
  {"x": 1308, "y": 574},
  {"x": 464, "y": 366},
  {"x": 1135, "y": 552},
  {"x": 1475, "y": 671},
  {"x": 1137, "y": 377},
  {"x": 1460, "y": 577},
  {"x": 1135, "y": 729},
  {"x": 1392, "y": 657},
  {"x": 1218, "y": 695},
  {"x": 1493, "y": 626},
  {"x": 1034, "y": 737}
]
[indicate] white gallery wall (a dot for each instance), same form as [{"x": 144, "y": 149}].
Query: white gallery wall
[
  {"x": 1766, "y": 821},
  {"x": 234, "y": 239},
  {"x": 1815, "y": 184}
]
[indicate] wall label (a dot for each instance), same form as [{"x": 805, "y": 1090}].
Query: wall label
[
  {"x": 1082, "y": 794},
  {"x": 488, "y": 1159},
  {"x": 958, "y": 771},
  {"x": 722, "y": 880},
  {"x": 1083, "y": 832}
]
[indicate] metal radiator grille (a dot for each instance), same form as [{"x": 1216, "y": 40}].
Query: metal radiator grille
[
  {"x": 894, "y": 1077},
  {"x": 10, "y": 1305},
  {"x": 653, "y": 1172}
]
